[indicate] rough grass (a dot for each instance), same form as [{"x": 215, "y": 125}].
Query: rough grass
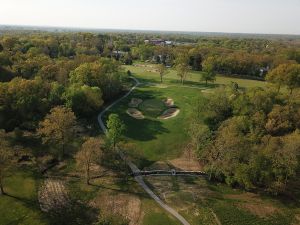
[{"x": 201, "y": 202}]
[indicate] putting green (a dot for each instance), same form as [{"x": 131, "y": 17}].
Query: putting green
[{"x": 152, "y": 107}]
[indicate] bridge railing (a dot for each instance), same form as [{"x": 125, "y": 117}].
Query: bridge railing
[{"x": 168, "y": 173}]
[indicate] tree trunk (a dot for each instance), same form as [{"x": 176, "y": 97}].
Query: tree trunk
[
  {"x": 63, "y": 148},
  {"x": 161, "y": 80},
  {"x": 88, "y": 176},
  {"x": 278, "y": 89},
  {"x": 2, "y": 192}
]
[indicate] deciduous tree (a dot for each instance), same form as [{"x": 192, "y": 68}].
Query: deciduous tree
[
  {"x": 115, "y": 129},
  {"x": 58, "y": 128},
  {"x": 162, "y": 70},
  {"x": 89, "y": 153}
]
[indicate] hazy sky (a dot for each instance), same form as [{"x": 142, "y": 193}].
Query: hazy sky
[{"x": 245, "y": 16}]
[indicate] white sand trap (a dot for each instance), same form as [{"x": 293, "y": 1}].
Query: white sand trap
[
  {"x": 135, "y": 102},
  {"x": 136, "y": 114},
  {"x": 169, "y": 113},
  {"x": 169, "y": 102}
]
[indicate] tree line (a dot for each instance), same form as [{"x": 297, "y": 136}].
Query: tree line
[{"x": 251, "y": 138}]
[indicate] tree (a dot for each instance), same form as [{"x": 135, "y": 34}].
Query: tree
[
  {"x": 200, "y": 135},
  {"x": 58, "y": 128},
  {"x": 285, "y": 74},
  {"x": 5, "y": 159},
  {"x": 209, "y": 73},
  {"x": 84, "y": 100},
  {"x": 182, "y": 67},
  {"x": 162, "y": 70},
  {"x": 182, "y": 71},
  {"x": 104, "y": 74},
  {"x": 89, "y": 153},
  {"x": 115, "y": 129},
  {"x": 208, "y": 76}
]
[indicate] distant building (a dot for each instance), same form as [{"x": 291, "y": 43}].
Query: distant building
[{"x": 158, "y": 42}]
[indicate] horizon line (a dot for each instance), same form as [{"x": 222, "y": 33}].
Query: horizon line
[{"x": 145, "y": 30}]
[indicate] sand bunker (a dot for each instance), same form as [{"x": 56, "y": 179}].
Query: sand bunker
[
  {"x": 169, "y": 113},
  {"x": 135, "y": 102},
  {"x": 135, "y": 113},
  {"x": 169, "y": 102}
]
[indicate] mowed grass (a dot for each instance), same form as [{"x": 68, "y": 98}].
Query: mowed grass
[
  {"x": 152, "y": 107},
  {"x": 157, "y": 139},
  {"x": 21, "y": 206},
  {"x": 193, "y": 78}
]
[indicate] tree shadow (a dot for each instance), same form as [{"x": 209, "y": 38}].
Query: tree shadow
[
  {"x": 144, "y": 130},
  {"x": 195, "y": 84},
  {"x": 75, "y": 213},
  {"x": 141, "y": 194},
  {"x": 141, "y": 130}
]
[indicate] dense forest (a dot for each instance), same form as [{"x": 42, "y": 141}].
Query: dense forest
[{"x": 41, "y": 70}]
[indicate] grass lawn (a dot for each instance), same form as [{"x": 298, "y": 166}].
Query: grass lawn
[
  {"x": 152, "y": 107},
  {"x": 193, "y": 78},
  {"x": 21, "y": 206},
  {"x": 154, "y": 138}
]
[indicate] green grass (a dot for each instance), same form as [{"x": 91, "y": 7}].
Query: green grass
[
  {"x": 158, "y": 139},
  {"x": 192, "y": 79},
  {"x": 152, "y": 107},
  {"x": 20, "y": 206},
  {"x": 156, "y": 215}
]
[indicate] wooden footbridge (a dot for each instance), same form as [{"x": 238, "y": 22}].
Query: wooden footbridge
[{"x": 172, "y": 172}]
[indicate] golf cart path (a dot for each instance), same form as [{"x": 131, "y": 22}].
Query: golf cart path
[{"x": 133, "y": 167}]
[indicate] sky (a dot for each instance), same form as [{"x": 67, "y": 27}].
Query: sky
[{"x": 233, "y": 16}]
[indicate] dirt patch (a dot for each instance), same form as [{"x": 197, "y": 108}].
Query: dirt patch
[
  {"x": 185, "y": 163},
  {"x": 297, "y": 218},
  {"x": 135, "y": 102},
  {"x": 261, "y": 210},
  {"x": 157, "y": 85},
  {"x": 252, "y": 203},
  {"x": 169, "y": 113},
  {"x": 169, "y": 102},
  {"x": 207, "y": 91},
  {"x": 135, "y": 113},
  {"x": 52, "y": 195},
  {"x": 125, "y": 205}
]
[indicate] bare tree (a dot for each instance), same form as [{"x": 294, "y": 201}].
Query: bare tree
[{"x": 89, "y": 154}]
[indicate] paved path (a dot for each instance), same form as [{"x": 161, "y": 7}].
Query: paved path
[{"x": 133, "y": 167}]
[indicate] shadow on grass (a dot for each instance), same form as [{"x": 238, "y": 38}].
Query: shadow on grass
[
  {"x": 194, "y": 83},
  {"x": 122, "y": 190},
  {"x": 76, "y": 213},
  {"x": 144, "y": 130}
]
